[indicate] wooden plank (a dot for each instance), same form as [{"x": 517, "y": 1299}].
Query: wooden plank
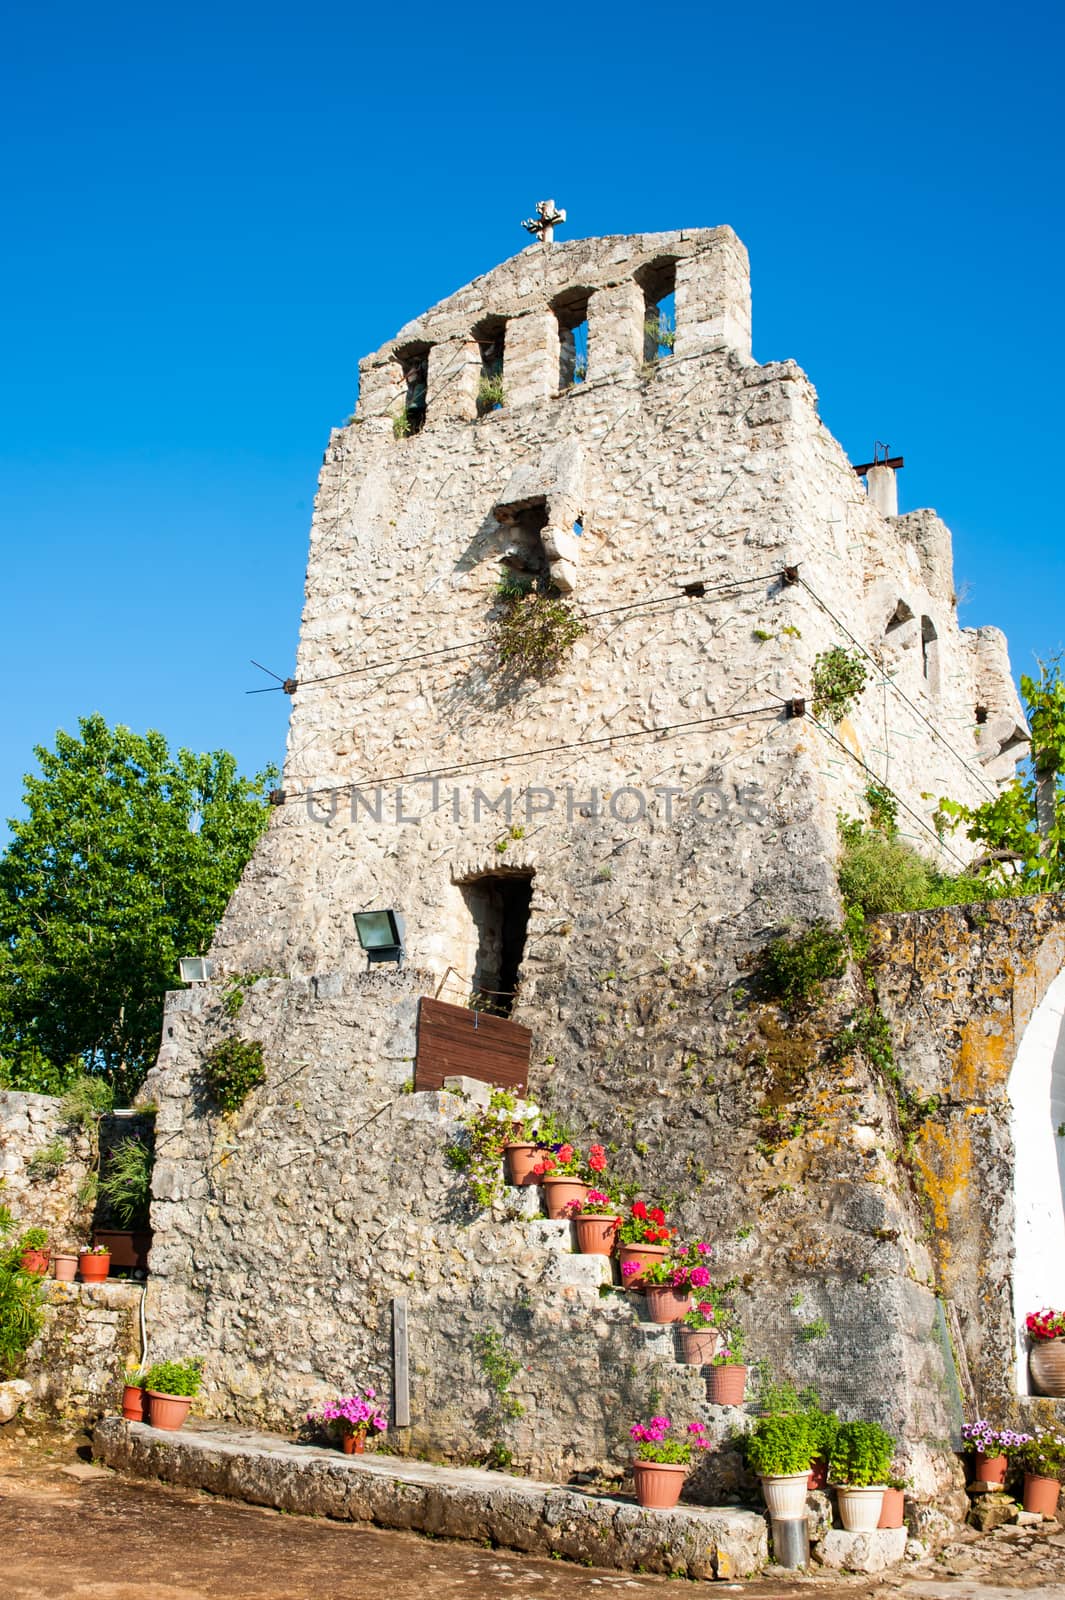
[
  {"x": 400, "y": 1364},
  {"x": 456, "y": 1042}
]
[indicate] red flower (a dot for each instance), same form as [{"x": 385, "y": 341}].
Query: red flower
[
  {"x": 657, "y": 1215},
  {"x": 597, "y": 1158},
  {"x": 544, "y": 1166},
  {"x": 565, "y": 1152},
  {"x": 639, "y": 1211}
]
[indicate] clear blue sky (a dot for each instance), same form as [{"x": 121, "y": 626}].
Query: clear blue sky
[{"x": 211, "y": 212}]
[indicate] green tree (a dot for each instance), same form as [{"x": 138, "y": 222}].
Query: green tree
[
  {"x": 124, "y": 862},
  {"x": 1027, "y": 820}
]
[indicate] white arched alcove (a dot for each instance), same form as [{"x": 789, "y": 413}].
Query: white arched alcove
[{"x": 1037, "y": 1101}]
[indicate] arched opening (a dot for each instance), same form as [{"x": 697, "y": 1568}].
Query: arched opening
[
  {"x": 498, "y": 904},
  {"x": 1037, "y": 1113}
]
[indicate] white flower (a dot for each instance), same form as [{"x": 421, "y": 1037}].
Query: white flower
[{"x": 532, "y": 1111}]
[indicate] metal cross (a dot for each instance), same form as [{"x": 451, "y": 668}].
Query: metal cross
[{"x": 546, "y": 220}]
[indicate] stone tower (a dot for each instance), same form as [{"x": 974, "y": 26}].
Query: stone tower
[{"x": 600, "y": 854}]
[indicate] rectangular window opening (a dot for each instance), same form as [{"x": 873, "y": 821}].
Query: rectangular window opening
[
  {"x": 498, "y": 904},
  {"x": 490, "y": 335},
  {"x": 572, "y": 315},
  {"x": 659, "y": 283},
  {"x": 414, "y": 364}
]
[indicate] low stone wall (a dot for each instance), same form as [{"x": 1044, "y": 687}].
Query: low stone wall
[
  {"x": 38, "y": 1196},
  {"x": 91, "y": 1334},
  {"x": 486, "y": 1507}
]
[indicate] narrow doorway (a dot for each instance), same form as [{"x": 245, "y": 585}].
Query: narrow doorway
[{"x": 498, "y": 903}]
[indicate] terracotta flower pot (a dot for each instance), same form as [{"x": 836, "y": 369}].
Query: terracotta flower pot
[
  {"x": 1046, "y": 1363},
  {"x": 561, "y": 1192},
  {"x": 700, "y": 1345},
  {"x": 818, "y": 1475},
  {"x": 860, "y": 1506},
  {"x": 595, "y": 1234},
  {"x": 893, "y": 1509},
  {"x": 167, "y": 1410},
  {"x": 34, "y": 1261},
  {"x": 658, "y": 1483},
  {"x": 133, "y": 1402},
  {"x": 666, "y": 1304},
  {"x": 521, "y": 1158},
  {"x": 65, "y": 1268},
  {"x": 94, "y": 1269},
  {"x": 785, "y": 1495},
  {"x": 642, "y": 1255},
  {"x": 727, "y": 1384},
  {"x": 989, "y": 1469},
  {"x": 1041, "y": 1494},
  {"x": 353, "y": 1444}
]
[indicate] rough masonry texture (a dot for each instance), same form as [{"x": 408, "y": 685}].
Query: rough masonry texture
[{"x": 663, "y": 816}]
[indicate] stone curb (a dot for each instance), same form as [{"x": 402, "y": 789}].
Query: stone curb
[{"x": 456, "y": 1503}]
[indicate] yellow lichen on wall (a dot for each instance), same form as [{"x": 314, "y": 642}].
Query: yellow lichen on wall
[
  {"x": 982, "y": 1064},
  {"x": 944, "y": 1157}
]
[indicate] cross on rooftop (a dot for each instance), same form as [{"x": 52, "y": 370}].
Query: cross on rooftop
[{"x": 546, "y": 220}]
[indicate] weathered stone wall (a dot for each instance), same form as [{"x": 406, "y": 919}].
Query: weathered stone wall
[
  {"x": 91, "y": 1335},
  {"x": 959, "y": 986},
  {"x": 42, "y": 1197}
]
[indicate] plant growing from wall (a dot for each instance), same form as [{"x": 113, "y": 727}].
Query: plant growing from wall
[
  {"x": 401, "y": 424},
  {"x": 794, "y": 969},
  {"x": 533, "y": 630},
  {"x": 490, "y": 394},
  {"x": 45, "y": 1162},
  {"x": 80, "y": 1110},
  {"x": 232, "y": 1069},
  {"x": 500, "y": 1368},
  {"x": 839, "y": 677}
]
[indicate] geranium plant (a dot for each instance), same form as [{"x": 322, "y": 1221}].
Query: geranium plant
[
  {"x": 655, "y": 1441},
  {"x": 95, "y": 1250},
  {"x": 355, "y": 1416},
  {"x": 645, "y": 1225},
  {"x": 730, "y": 1353},
  {"x": 1045, "y": 1324},
  {"x": 598, "y": 1204}
]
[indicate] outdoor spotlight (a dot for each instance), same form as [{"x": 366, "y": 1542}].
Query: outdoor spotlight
[
  {"x": 195, "y": 969},
  {"x": 380, "y": 934}
]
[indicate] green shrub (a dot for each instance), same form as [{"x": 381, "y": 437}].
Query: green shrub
[
  {"x": 861, "y": 1454},
  {"x": 534, "y": 631},
  {"x": 174, "y": 1377},
  {"x": 490, "y": 393},
  {"x": 880, "y": 872},
  {"x": 46, "y": 1161},
  {"x": 794, "y": 969},
  {"x": 780, "y": 1445},
  {"x": 21, "y": 1302},
  {"x": 126, "y": 1186},
  {"x": 32, "y": 1239},
  {"x": 232, "y": 1069}
]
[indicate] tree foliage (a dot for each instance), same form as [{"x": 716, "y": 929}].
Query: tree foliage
[
  {"x": 1010, "y": 822},
  {"x": 123, "y": 863}
]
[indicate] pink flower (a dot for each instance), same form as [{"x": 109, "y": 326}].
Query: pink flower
[
  {"x": 705, "y": 1249},
  {"x": 700, "y": 1277},
  {"x": 628, "y": 1268}
]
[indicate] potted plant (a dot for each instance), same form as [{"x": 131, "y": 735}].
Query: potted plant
[
  {"x": 727, "y": 1382},
  {"x": 171, "y": 1387},
  {"x": 595, "y": 1221},
  {"x": 133, "y": 1394},
  {"x": 893, "y": 1507},
  {"x": 858, "y": 1470},
  {"x": 65, "y": 1265},
  {"x": 1046, "y": 1358},
  {"x": 779, "y": 1451},
  {"x": 643, "y": 1238},
  {"x": 560, "y": 1171},
  {"x": 520, "y": 1122},
  {"x": 33, "y": 1251},
  {"x": 992, "y": 1448},
  {"x": 663, "y": 1459},
  {"x": 353, "y": 1419},
  {"x": 823, "y": 1425},
  {"x": 700, "y": 1336},
  {"x": 94, "y": 1263},
  {"x": 1043, "y": 1462}
]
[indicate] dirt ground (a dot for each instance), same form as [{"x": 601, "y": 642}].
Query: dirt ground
[{"x": 73, "y": 1531}]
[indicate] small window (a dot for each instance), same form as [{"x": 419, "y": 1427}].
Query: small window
[
  {"x": 658, "y": 282},
  {"x": 414, "y": 364},
  {"x": 901, "y": 614},
  {"x": 525, "y": 559},
  {"x": 491, "y": 339},
  {"x": 930, "y": 654},
  {"x": 498, "y": 904},
  {"x": 981, "y": 716},
  {"x": 572, "y": 314}
]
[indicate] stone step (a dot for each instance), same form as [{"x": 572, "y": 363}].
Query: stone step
[
  {"x": 449, "y": 1502},
  {"x": 580, "y": 1272}
]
